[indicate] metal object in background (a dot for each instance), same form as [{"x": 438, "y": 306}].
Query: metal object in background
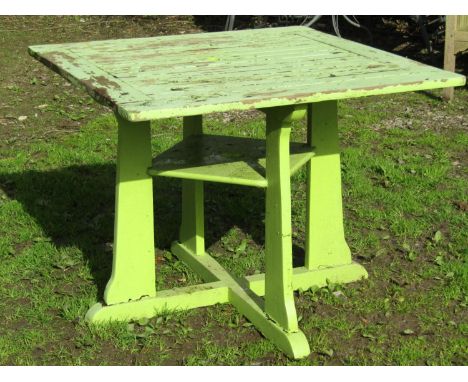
[
  {"x": 309, "y": 21},
  {"x": 230, "y": 23},
  {"x": 430, "y": 29},
  {"x": 335, "y": 22},
  {"x": 430, "y": 26}
]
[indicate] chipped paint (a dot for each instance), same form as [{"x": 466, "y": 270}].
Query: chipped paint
[{"x": 169, "y": 76}]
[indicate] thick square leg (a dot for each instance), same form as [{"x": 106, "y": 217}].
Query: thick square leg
[
  {"x": 133, "y": 267},
  {"x": 192, "y": 231},
  {"x": 279, "y": 298},
  {"x": 325, "y": 241}
]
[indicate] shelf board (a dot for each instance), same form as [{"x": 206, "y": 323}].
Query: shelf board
[{"x": 223, "y": 159}]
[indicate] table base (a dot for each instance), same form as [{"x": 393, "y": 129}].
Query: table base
[
  {"x": 221, "y": 287},
  {"x": 131, "y": 293}
]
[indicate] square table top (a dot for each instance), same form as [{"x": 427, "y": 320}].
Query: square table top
[{"x": 160, "y": 77}]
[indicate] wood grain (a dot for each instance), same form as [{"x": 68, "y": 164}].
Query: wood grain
[{"x": 160, "y": 77}]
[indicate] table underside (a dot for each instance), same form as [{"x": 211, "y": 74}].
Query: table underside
[{"x": 159, "y": 77}]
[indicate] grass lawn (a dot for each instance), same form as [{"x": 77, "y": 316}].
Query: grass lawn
[{"x": 404, "y": 174}]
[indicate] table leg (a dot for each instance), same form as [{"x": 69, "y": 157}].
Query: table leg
[
  {"x": 325, "y": 241},
  {"x": 279, "y": 297},
  {"x": 133, "y": 267},
  {"x": 275, "y": 316},
  {"x": 192, "y": 232},
  {"x": 328, "y": 258}
]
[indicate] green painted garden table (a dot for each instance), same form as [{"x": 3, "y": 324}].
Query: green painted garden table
[{"x": 285, "y": 72}]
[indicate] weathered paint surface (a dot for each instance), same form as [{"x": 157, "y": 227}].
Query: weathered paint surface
[{"x": 159, "y": 77}]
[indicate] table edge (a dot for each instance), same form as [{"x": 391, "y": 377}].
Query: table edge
[{"x": 146, "y": 115}]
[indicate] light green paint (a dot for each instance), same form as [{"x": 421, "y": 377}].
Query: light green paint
[
  {"x": 279, "y": 298},
  {"x": 223, "y": 159},
  {"x": 133, "y": 267},
  {"x": 176, "y": 299},
  {"x": 324, "y": 247},
  {"x": 192, "y": 229},
  {"x": 160, "y": 77},
  {"x": 304, "y": 279},
  {"x": 293, "y": 344}
]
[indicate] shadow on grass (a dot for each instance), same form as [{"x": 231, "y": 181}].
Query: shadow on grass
[
  {"x": 430, "y": 95},
  {"x": 75, "y": 207}
]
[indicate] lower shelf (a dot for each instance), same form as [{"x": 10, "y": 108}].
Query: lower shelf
[{"x": 223, "y": 159}]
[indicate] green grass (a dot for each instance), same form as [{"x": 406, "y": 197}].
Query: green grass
[{"x": 405, "y": 220}]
